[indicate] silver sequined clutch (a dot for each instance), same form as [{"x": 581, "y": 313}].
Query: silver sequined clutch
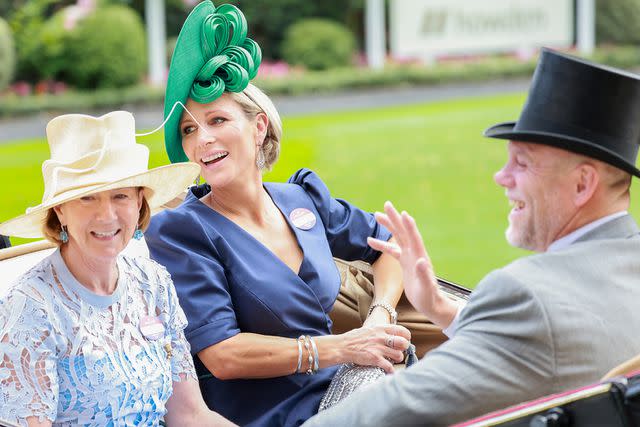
[{"x": 348, "y": 379}]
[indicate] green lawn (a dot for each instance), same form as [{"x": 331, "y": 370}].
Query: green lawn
[{"x": 429, "y": 159}]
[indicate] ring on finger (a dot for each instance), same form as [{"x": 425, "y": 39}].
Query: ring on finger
[{"x": 390, "y": 341}]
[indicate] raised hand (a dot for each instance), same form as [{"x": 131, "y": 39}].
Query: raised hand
[{"x": 420, "y": 284}]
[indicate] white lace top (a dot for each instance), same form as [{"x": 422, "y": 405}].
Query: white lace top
[{"x": 78, "y": 358}]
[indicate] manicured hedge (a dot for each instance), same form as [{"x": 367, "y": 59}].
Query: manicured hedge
[
  {"x": 75, "y": 101},
  {"x": 106, "y": 49},
  {"x": 618, "y": 21},
  {"x": 316, "y": 82},
  {"x": 318, "y": 44}
]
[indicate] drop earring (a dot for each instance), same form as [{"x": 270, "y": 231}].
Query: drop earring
[
  {"x": 64, "y": 236},
  {"x": 138, "y": 234},
  {"x": 260, "y": 162}
]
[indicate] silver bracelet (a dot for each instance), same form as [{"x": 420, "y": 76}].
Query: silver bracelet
[
  {"x": 299, "y": 357},
  {"x": 308, "y": 347},
  {"x": 393, "y": 314},
  {"x": 316, "y": 362}
]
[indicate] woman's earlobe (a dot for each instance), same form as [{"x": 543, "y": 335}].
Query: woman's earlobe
[{"x": 261, "y": 138}]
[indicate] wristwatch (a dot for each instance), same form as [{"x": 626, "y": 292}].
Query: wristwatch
[{"x": 392, "y": 312}]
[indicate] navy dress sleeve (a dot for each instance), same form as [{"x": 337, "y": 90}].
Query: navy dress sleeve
[
  {"x": 347, "y": 227},
  {"x": 178, "y": 241}
]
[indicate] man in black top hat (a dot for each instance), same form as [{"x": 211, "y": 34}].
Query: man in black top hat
[{"x": 545, "y": 323}]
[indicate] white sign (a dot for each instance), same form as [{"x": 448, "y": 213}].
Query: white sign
[{"x": 426, "y": 28}]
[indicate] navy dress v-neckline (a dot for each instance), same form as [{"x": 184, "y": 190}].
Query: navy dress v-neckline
[
  {"x": 228, "y": 282},
  {"x": 312, "y": 243},
  {"x": 292, "y": 228}
]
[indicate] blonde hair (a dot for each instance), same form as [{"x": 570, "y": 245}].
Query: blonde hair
[
  {"x": 51, "y": 227},
  {"x": 253, "y": 101}
]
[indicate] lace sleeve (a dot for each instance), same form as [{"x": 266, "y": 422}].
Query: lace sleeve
[
  {"x": 181, "y": 360},
  {"x": 28, "y": 379}
]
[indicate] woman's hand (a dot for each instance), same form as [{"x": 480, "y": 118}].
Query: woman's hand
[{"x": 375, "y": 345}]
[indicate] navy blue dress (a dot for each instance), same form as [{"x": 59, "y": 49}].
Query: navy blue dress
[{"x": 228, "y": 282}]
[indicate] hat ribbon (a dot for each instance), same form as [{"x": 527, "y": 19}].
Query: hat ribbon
[{"x": 175, "y": 104}]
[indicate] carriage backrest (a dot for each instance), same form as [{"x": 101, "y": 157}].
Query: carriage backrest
[{"x": 17, "y": 260}]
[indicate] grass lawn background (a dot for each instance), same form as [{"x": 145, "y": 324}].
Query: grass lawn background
[{"x": 430, "y": 160}]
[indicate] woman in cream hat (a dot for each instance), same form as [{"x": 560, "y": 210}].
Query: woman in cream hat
[
  {"x": 253, "y": 261},
  {"x": 89, "y": 336}
]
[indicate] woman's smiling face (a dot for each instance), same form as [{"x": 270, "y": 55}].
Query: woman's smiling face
[
  {"x": 222, "y": 140},
  {"x": 101, "y": 225}
]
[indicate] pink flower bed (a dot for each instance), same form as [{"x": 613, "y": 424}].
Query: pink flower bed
[{"x": 22, "y": 88}]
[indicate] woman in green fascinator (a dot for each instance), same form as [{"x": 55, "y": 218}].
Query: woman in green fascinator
[{"x": 252, "y": 261}]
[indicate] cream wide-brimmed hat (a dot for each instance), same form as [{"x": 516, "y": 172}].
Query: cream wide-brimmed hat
[{"x": 94, "y": 154}]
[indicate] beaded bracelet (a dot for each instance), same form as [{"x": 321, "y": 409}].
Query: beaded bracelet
[
  {"x": 299, "y": 357},
  {"x": 316, "y": 362},
  {"x": 307, "y": 345},
  {"x": 393, "y": 314}
]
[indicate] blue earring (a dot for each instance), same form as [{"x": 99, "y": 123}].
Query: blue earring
[
  {"x": 138, "y": 234},
  {"x": 64, "y": 236}
]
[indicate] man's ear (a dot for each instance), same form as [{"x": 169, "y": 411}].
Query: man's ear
[{"x": 586, "y": 183}]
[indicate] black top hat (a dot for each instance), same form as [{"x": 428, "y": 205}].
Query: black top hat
[{"x": 582, "y": 107}]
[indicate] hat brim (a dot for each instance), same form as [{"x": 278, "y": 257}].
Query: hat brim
[
  {"x": 507, "y": 131},
  {"x": 164, "y": 182},
  {"x": 186, "y": 62}
]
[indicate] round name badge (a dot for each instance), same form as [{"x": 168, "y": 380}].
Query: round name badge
[
  {"x": 302, "y": 218},
  {"x": 151, "y": 327}
]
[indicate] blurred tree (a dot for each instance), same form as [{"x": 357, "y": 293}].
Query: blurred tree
[
  {"x": 26, "y": 21},
  {"x": 268, "y": 21},
  {"x": 52, "y": 39},
  {"x": 7, "y": 7},
  {"x": 618, "y": 21},
  {"x": 267, "y": 24},
  {"x": 318, "y": 44},
  {"x": 176, "y": 11},
  {"x": 106, "y": 49},
  {"x": 7, "y": 54}
]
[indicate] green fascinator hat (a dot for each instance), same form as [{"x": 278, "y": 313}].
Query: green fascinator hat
[{"x": 212, "y": 55}]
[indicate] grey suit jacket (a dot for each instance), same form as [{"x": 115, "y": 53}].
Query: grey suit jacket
[{"x": 540, "y": 325}]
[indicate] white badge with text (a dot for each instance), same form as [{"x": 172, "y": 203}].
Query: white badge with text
[
  {"x": 151, "y": 327},
  {"x": 302, "y": 218}
]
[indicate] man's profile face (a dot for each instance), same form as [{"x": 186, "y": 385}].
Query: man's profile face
[{"x": 535, "y": 178}]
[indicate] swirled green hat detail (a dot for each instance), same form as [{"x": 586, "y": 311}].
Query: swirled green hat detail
[{"x": 213, "y": 55}]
